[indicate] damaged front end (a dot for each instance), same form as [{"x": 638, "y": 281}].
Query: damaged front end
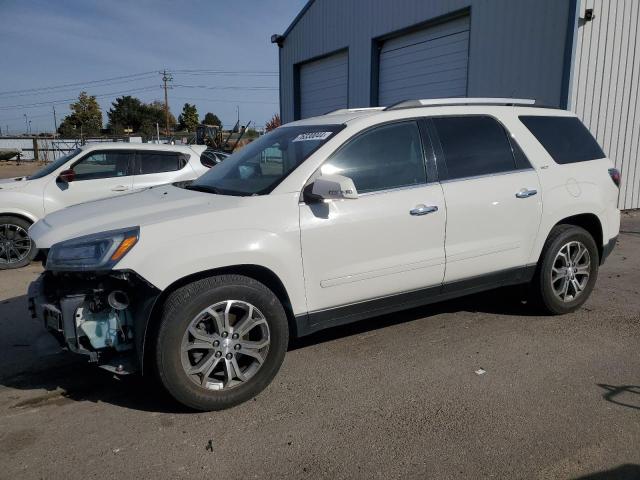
[{"x": 98, "y": 314}]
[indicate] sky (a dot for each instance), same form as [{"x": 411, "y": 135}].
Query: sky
[{"x": 218, "y": 52}]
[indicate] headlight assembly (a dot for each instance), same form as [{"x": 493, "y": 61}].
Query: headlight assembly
[{"x": 98, "y": 251}]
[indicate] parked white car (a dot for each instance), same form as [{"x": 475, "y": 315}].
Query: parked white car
[
  {"x": 323, "y": 222},
  {"x": 92, "y": 172}
]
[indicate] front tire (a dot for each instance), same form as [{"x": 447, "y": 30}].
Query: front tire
[
  {"x": 220, "y": 342},
  {"x": 16, "y": 248},
  {"x": 567, "y": 271}
]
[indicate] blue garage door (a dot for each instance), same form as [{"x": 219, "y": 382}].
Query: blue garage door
[
  {"x": 429, "y": 63},
  {"x": 324, "y": 85}
]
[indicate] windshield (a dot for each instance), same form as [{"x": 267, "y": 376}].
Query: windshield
[
  {"x": 260, "y": 166},
  {"x": 53, "y": 166}
]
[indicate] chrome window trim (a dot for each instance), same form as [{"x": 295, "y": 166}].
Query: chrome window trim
[
  {"x": 485, "y": 175},
  {"x": 396, "y": 189}
]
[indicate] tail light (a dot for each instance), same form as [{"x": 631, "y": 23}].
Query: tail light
[{"x": 614, "y": 173}]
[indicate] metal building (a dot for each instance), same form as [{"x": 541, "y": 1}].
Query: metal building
[{"x": 576, "y": 54}]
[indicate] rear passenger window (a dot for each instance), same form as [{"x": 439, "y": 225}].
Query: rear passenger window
[
  {"x": 474, "y": 146},
  {"x": 565, "y": 138},
  {"x": 158, "y": 162},
  {"x": 385, "y": 157}
]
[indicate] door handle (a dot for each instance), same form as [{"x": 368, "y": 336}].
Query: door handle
[
  {"x": 423, "y": 210},
  {"x": 526, "y": 193},
  {"x": 119, "y": 188}
]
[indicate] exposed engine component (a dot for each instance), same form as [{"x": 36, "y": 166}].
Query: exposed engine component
[
  {"x": 107, "y": 324},
  {"x": 118, "y": 300}
]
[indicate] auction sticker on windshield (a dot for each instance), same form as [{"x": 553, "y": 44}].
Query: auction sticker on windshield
[{"x": 312, "y": 136}]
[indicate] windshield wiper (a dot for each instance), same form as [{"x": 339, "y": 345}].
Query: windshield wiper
[{"x": 204, "y": 188}]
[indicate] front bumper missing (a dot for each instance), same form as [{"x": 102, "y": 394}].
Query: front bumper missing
[{"x": 57, "y": 301}]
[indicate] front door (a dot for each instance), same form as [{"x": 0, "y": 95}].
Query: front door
[
  {"x": 390, "y": 239},
  {"x": 99, "y": 174}
]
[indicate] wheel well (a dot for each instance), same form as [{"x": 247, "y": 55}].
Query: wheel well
[
  {"x": 590, "y": 223},
  {"x": 17, "y": 215},
  {"x": 262, "y": 274}
]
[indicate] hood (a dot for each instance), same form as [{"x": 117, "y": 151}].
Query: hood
[
  {"x": 13, "y": 183},
  {"x": 153, "y": 205}
]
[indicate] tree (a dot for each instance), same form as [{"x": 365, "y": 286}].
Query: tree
[
  {"x": 125, "y": 112},
  {"x": 189, "y": 119},
  {"x": 273, "y": 123},
  {"x": 129, "y": 112},
  {"x": 153, "y": 113},
  {"x": 211, "y": 119},
  {"x": 85, "y": 117}
]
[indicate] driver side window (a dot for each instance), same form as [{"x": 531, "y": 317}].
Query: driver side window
[
  {"x": 382, "y": 158},
  {"x": 102, "y": 164}
]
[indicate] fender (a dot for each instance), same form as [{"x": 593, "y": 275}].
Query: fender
[{"x": 19, "y": 212}]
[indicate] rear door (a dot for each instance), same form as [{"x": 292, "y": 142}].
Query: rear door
[
  {"x": 158, "y": 167},
  {"x": 493, "y": 196},
  {"x": 99, "y": 174},
  {"x": 390, "y": 239}
]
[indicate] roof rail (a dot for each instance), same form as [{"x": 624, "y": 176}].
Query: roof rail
[
  {"x": 440, "y": 102},
  {"x": 354, "y": 110}
]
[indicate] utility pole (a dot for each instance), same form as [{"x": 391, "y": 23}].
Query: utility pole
[
  {"x": 166, "y": 77},
  {"x": 26, "y": 124},
  {"x": 55, "y": 122}
]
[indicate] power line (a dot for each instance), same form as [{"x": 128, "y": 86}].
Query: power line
[
  {"x": 217, "y": 100},
  {"x": 69, "y": 89},
  {"x": 224, "y": 72},
  {"x": 79, "y": 84},
  {"x": 66, "y": 100},
  {"x": 136, "y": 76},
  {"x": 227, "y": 87}
]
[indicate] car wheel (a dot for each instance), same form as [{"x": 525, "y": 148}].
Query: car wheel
[
  {"x": 220, "y": 342},
  {"x": 16, "y": 248},
  {"x": 567, "y": 271}
]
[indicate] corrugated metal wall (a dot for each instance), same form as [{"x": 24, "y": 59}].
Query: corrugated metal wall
[
  {"x": 606, "y": 78},
  {"x": 324, "y": 85},
  {"x": 516, "y": 46},
  {"x": 429, "y": 63}
]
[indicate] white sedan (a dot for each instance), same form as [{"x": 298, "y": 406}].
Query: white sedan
[{"x": 92, "y": 172}]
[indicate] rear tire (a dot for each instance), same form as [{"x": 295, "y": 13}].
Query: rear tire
[
  {"x": 16, "y": 248},
  {"x": 220, "y": 342},
  {"x": 567, "y": 270}
]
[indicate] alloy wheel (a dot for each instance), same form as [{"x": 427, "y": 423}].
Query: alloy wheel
[
  {"x": 570, "y": 271},
  {"x": 225, "y": 345},
  {"x": 15, "y": 244}
]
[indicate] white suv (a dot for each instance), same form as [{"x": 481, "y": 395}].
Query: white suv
[
  {"x": 323, "y": 222},
  {"x": 94, "y": 171}
]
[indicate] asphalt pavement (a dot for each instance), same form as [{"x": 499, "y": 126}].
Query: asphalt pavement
[{"x": 479, "y": 387}]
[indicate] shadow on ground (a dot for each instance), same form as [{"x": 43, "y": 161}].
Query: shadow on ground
[
  {"x": 623, "y": 395},
  {"x": 64, "y": 377},
  {"x": 502, "y": 301},
  {"x": 623, "y": 472}
]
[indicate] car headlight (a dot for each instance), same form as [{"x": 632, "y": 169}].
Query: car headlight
[{"x": 98, "y": 251}]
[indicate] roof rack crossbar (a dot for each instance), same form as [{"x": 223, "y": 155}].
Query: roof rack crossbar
[
  {"x": 354, "y": 110},
  {"x": 440, "y": 102}
]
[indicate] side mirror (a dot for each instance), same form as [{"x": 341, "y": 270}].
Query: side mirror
[
  {"x": 333, "y": 187},
  {"x": 67, "y": 176}
]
